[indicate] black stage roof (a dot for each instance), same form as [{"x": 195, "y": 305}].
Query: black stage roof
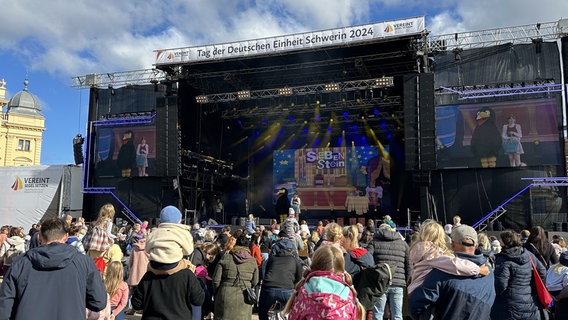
[{"x": 355, "y": 61}]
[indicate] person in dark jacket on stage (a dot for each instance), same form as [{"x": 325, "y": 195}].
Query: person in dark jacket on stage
[
  {"x": 448, "y": 296},
  {"x": 388, "y": 247},
  {"x": 52, "y": 281},
  {"x": 282, "y": 271},
  {"x": 282, "y": 204},
  {"x": 516, "y": 297}
]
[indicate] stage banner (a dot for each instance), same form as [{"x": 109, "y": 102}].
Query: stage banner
[
  {"x": 293, "y": 42},
  {"x": 353, "y": 178},
  {"x": 27, "y": 192}
]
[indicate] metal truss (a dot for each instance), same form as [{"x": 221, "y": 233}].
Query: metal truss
[
  {"x": 508, "y": 89},
  {"x": 118, "y": 79},
  {"x": 341, "y": 106},
  {"x": 109, "y": 190},
  {"x": 536, "y": 182},
  {"x": 548, "y": 31},
  {"x": 322, "y": 88}
]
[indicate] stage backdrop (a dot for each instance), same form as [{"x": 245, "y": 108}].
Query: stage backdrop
[{"x": 356, "y": 179}]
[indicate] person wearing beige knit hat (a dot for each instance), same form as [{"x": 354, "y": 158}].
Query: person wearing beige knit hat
[{"x": 169, "y": 288}]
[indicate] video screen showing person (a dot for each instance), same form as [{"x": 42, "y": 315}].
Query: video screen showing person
[
  {"x": 506, "y": 134},
  {"x": 125, "y": 151}
]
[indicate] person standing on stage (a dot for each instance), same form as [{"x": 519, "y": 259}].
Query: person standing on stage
[
  {"x": 296, "y": 203},
  {"x": 282, "y": 204}
]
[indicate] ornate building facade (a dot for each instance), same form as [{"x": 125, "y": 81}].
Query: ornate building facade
[{"x": 22, "y": 128}]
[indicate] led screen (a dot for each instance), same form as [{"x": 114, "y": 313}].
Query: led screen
[
  {"x": 125, "y": 151},
  {"x": 508, "y": 134}
]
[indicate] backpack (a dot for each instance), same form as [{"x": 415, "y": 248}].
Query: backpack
[
  {"x": 11, "y": 253},
  {"x": 371, "y": 283}
]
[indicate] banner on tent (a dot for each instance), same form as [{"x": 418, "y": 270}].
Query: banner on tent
[{"x": 27, "y": 193}]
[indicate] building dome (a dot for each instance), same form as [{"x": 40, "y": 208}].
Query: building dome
[{"x": 24, "y": 102}]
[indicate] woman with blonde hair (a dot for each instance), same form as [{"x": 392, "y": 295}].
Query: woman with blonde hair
[
  {"x": 431, "y": 250},
  {"x": 332, "y": 235},
  {"x": 326, "y": 291},
  {"x": 356, "y": 258},
  {"x": 485, "y": 248}
]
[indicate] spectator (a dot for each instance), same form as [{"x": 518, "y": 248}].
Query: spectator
[
  {"x": 371, "y": 226},
  {"x": 332, "y": 235},
  {"x": 225, "y": 236},
  {"x": 116, "y": 288},
  {"x": 234, "y": 269},
  {"x": 34, "y": 236},
  {"x": 138, "y": 264},
  {"x": 12, "y": 247},
  {"x": 356, "y": 258},
  {"x": 457, "y": 221},
  {"x": 388, "y": 220},
  {"x": 104, "y": 222},
  {"x": 73, "y": 239},
  {"x": 516, "y": 297},
  {"x": 326, "y": 291},
  {"x": 430, "y": 250},
  {"x": 33, "y": 287},
  {"x": 388, "y": 247},
  {"x": 525, "y": 236},
  {"x": 557, "y": 285},
  {"x": 304, "y": 226},
  {"x": 169, "y": 288},
  {"x": 448, "y": 296},
  {"x": 282, "y": 272},
  {"x": 366, "y": 239},
  {"x": 486, "y": 249},
  {"x": 538, "y": 244}
]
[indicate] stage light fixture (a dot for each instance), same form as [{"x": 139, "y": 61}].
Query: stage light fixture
[
  {"x": 201, "y": 99},
  {"x": 331, "y": 87},
  {"x": 243, "y": 95},
  {"x": 384, "y": 82},
  {"x": 286, "y": 91}
]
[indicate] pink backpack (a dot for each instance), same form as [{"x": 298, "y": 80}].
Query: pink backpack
[{"x": 323, "y": 305}]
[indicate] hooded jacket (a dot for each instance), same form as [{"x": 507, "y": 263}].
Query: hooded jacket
[
  {"x": 448, "y": 296},
  {"x": 513, "y": 274},
  {"x": 229, "y": 298},
  {"x": 19, "y": 245},
  {"x": 169, "y": 243},
  {"x": 53, "y": 281},
  {"x": 357, "y": 259}
]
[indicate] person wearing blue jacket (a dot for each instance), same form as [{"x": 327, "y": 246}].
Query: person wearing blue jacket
[
  {"x": 447, "y": 296},
  {"x": 52, "y": 281},
  {"x": 516, "y": 297}
]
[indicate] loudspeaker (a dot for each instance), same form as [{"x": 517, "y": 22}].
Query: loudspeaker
[
  {"x": 168, "y": 137},
  {"x": 419, "y": 122},
  {"x": 78, "y": 149}
]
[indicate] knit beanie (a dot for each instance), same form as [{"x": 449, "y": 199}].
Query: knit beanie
[{"x": 170, "y": 214}]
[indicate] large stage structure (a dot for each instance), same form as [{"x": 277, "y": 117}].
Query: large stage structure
[{"x": 361, "y": 121}]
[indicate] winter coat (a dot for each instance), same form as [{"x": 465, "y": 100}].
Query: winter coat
[
  {"x": 424, "y": 256},
  {"x": 19, "y": 244},
  {"x": 283, "y": 270},
  {"x": 357, "y": 259},
  {"x": 516, "y": 298},
  {"x": 388, "y": 247},
  {"x": 138, "y": 262},
  {"x": 52, "y": 281},
  {"x": 168, "y": 294},
  {"x": 324, "y": 295},
  {"x": 229, "y": 298},
  {"x": 449, "y": 296}
]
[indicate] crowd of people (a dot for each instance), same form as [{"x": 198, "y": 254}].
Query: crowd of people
[{"x": 67, "y": 269}]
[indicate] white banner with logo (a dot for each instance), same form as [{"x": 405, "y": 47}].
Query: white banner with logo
[
  {"x": 26, "y": 193},
  {"x": 368, "y": 32}
]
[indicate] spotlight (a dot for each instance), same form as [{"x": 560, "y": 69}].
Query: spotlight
[
  {"x": 331, "y": 87},
  {"x": 286, "y": 91},
  {"x": 384, "y": 82},
  {"x": 202, "y": 99},
  {"x": 243, "y": 95}
]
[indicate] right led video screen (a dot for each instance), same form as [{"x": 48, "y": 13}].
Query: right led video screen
[{"x": 505, "y": 134}]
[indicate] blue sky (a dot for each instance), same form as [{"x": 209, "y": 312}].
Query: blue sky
[{"x": 52, "y": 41}]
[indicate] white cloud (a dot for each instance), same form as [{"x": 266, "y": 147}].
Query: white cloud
[{"x": 67, "y": 38}]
